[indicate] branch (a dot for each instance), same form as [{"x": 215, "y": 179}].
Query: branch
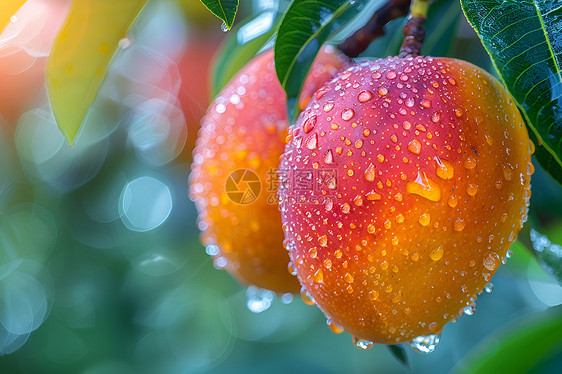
[
  {"x": 414, "y": 30},
  {"x": 360, "y": 40}
]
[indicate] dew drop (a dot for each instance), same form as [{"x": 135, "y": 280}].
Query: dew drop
[
  {"x": 318, "y": 276},
  {"x": 391, "y": 74},
  {"x": 347, "y": 114},
  {"x": 334, "y": 326},
  {"x": 492, "y": 261},
  {"x": 414, "y": 146},
  {"x": 469, "y": 310},
  {"x": 383, "y": 91},
  {"x": 370, "y": 173},
  {"x": 435, "y": 117},
  {"x": 305, "y": 296},
  {"x": 425, "y": 344},
  {"x": 531, "y": 147},
  {"x": 471, "y": 189},
  {"x": 373, "y": 196},
  {"x": 425, "y": 103},
  {"x": 309, "y": 124},
  {"x": 362, "y": 343},
  {"x": 424, "y": 219},
  {"x": 424, "y": 187},
  {"x": 436, "y": 254},
  {"x": 444, "y": 169},
  {"x": 224, "y": 27},
  {"x": 312, "y": 142},
  {"x": 323, "y": 241},
  {"x": 124, "y": 43},
  {"x": 364, "y": 96},
  {"x": 470, "y": 163},
  {"x": 292, "y": 269},
  {"x": 345, "y": 208},
  {"x": 328, "y": 157},
  {"x": 508, "y": 172},
  {"x": 322, "y": 91},
  {"x": 433, "y": 326},
  {"x": 452, "y": 201},
  {"x": 489, "y": 288},
  {"x": 458, "y": 225}
]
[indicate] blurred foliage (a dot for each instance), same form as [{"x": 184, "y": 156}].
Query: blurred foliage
[
  {"x": 76, "y": 70},
  {"x": 101, "y": 269},
  {"x": 543, "y": 329},
  {"x": 9, "y": 7}
]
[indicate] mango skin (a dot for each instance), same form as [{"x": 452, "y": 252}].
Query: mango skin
[
  {"x": 245, "y": 128},
  {"x": 433, "y": 182}
]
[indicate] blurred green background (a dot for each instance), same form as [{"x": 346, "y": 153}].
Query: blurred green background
[{"x": 101, "y": 269}]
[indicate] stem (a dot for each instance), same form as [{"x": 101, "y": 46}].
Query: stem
[
  {"x": 360, "y": 40},
  {"x": 414, "y": 30}
]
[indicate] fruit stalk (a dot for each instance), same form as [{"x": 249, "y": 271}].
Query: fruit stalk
[
  {"x": 414, "y": 30},
  {"x": 360, "y": 40}
]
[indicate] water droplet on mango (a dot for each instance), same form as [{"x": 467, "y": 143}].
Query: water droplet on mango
[{"x": 424, "y": 187}]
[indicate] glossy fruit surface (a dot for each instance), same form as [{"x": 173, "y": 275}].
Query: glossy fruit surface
[
  {"x": 234, "y": 180},
  {"x": 418, "y": 174}
]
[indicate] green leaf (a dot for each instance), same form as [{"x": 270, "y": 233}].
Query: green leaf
[
  {"x": 241, "y": 45},
  {"x": 523, "y": 39},
  {"x": 518, "y": 348},
  {"x": 81, "y": 54},
  {"x": 399, "y": 353},
  {"x": 224, "y": 9},
  {"x": 306, "y": 26},
  {"x": 7, "y": 9}
]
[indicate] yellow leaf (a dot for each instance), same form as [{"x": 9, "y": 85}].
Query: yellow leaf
[
  {"x": 7, "y": 9},
  {"x": 81, "y": 54}
]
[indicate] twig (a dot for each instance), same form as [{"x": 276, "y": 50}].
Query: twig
[
  {"x": 360, "y": 40},
  {"x": 414, "y": 30}
]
